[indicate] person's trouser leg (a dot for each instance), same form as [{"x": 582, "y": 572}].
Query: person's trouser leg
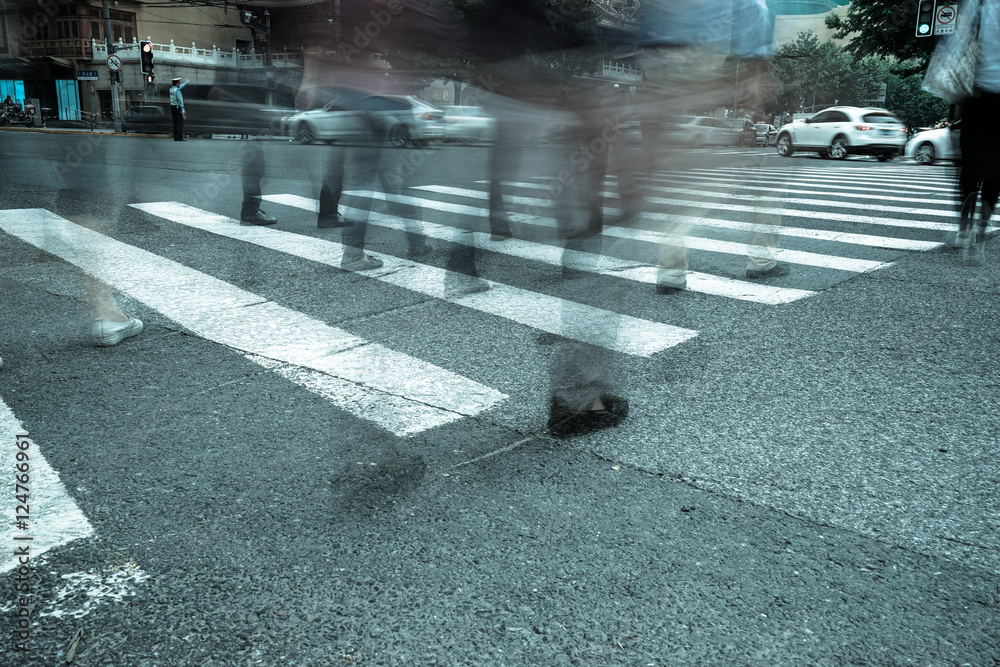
[
  {"x": 178, "y": 119},
  {"x": 253, "y": 172},
  {"x": 332, "y": 186}
]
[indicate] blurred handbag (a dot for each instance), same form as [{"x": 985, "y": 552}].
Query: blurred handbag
[{"x": 951, "y": 73}]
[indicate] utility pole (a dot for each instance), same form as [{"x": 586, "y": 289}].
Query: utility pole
[
  {"x": 113, "y": 76},
  {"x": 267, "y": 38},
  {"x": 736, "y": 95}
]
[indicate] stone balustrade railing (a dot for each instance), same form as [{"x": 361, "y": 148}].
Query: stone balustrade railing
[{"x": 192, "y": 55}]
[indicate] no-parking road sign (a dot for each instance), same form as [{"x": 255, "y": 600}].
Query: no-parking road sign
[{"x": 945, "y": 18}]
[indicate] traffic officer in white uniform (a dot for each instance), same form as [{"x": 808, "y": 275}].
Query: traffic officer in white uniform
[{"x": 177, "y": 108}]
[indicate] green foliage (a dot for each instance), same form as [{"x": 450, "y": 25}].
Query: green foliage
[
  {"x": 914, "y": 106},
  {"x": 883, "y": 28},
  {"x": 808, "y": 76},
  {"x": 815, "y": 75}
]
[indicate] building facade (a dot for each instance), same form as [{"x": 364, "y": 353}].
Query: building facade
[{"x": 50, "y": 47}]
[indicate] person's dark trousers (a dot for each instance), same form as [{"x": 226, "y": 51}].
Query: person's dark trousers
[
  {"x": 333, "y": 183},
  {"x": 178, "y": 118},
  {"x": 253, "y": 172},
  {"x": 503, "y": 167},
  {"x": 980, "y": 144}
]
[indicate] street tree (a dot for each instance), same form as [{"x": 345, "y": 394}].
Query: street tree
[
  {"x": 883, "y": 28},
  {"x": 814, "y": 75}
]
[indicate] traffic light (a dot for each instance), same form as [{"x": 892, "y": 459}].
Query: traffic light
[
  {"x": 925, "y": 18},
  {"x": 146, "y": 57}
]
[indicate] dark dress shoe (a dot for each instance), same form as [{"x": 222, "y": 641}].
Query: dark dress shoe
[
  {"x": 564, "y": 422},
  {"x": 327, "y": 221},
  {"x": 258, "y": 218}
]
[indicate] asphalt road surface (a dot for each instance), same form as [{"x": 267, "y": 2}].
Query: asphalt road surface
[{"x": 298, "y": 465}]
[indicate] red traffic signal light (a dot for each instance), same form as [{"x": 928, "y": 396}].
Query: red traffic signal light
[{"x": 146, "y": 56}]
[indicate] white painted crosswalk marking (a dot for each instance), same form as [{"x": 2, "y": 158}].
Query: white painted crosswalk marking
[
  {"x": 539, "y": 252},
  {"x": 54, "y": 518},
  {"x": 540, "y": 202},
  {"x": 848, "y": 176},
  {"x": 692, "y": 242},
  {"x": 870, "y": 240},
  {"x": 635, "y": 336},
  {"x": 370, "y": 375},
  {"x": 773, "y": 188}
]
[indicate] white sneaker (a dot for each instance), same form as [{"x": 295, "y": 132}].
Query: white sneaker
[{"x": 107, "y": 333}]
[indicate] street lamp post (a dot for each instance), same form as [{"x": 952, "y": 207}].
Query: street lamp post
[{"x": 112, "y": 76}]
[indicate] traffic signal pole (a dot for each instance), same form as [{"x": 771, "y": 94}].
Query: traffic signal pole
[{"x": 115, "y": 108}]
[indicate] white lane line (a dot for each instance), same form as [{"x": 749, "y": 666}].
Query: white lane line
[
  {"x": 846, "y": 176},
  {"x": 780, "y": 178},
  {"x": 787, "y": 212},
  {"x": 804, "y": 213},
  {"x": 548, "y": 254},
  {"x": 869, "y": 240},
  {"x": 772, "y": 187},
  {"x": 54, "y": 517},
  {"x": 828, "y": 203},
  {"x": 907, "y": 173},
  {"x": 708, "y": 245},
  {"x": 247, "y": 322},
  {"x": 932, "y": 185},
  {"x": 547, "y": 313}
]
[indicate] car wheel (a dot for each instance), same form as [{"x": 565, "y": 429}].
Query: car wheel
[
  {"x": 399, "y": 136},
  {"x": 304, "y": 134},
  {"x": 925, "y": 153},
  {"x": 785, "y": 148},
  {"x": 838, "y": 149}
]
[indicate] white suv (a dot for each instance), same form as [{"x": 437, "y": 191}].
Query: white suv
[{"x": 841, "y": 131}]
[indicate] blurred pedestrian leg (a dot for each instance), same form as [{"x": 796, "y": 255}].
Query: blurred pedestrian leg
[{"x": 252, "y": 158}]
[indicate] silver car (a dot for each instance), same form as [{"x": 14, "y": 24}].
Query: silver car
[
  {"x": 404, "y": 119},
  {"x": 766, "y": 134},
  {"x": 469, "y": 125},
  {"x": 699, "y": 131},
  {"x": 331, "y": 123},
  {"x": 931, "y": 145}
]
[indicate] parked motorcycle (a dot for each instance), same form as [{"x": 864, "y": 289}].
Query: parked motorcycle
[{"x": 18, "y": 115}]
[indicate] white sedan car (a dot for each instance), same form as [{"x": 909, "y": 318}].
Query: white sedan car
[
  {"x": 841, "y": 131},
  {"x": 930, "y": 145},
  {"x": 331, "y": 123},
  {"x": 699, "y": 131},
  {"x": 468, "y": 124}
]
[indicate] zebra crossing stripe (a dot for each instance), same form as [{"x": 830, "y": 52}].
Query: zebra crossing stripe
[
  {"x": 372, "y": 378},
  {"x": 55, "y": 520},
  {"x": 869, "y": 240},
  {"x": 548, "y": 254},
  {"x": 693, "y": 242},
  {"x": 741, "y": 185},
  {"x": 547, "y": 313},
  {"x": 786, "y": 212},
  {"x": 816, "y": 175}
]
